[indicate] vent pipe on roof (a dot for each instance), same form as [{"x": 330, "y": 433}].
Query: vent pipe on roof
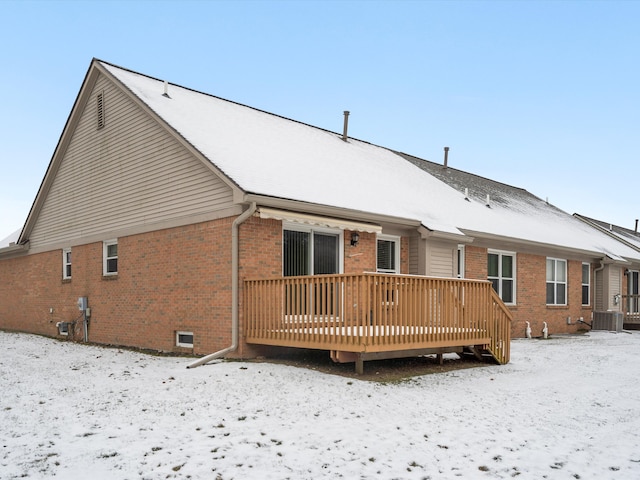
[
  {"x": 488, "y": 203},
  {"x": 446, "y": 156},
  {"x": 166, "y": 89},
  {"x": 346, "y": 125},
  {"x": 636, "y": 225}
]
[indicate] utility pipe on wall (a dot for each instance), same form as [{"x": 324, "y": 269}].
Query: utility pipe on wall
[{"x": 235, "y": 265}]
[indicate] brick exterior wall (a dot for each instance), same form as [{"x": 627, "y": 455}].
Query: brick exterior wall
[
  {"x": 168, "y": 280},
  {"x": 179, "y": 279},
  {"x": 531, "y": 275}
]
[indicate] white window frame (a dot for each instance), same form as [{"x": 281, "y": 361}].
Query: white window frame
[
  {"x": 181, "y": 343},
  {"x": 298, "y": 227},
  {"x": 500, "y": 278},
  {"x": 555, "y": 280},
  {"x": 105, "y": 251},
  {"x": 460, "y": 262},
  {"x": 393, "y": 239},
  {"x": 66, "y": 262},
  {"x": 588, "y": 284}
]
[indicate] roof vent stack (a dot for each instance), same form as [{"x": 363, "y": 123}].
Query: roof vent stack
[
  {"x": 346, "y": 125},
  {"x": 466, "y": 194},
  {"x": 446, "y": 156},
  {"x": 488, "y": 202},
  {"x": 636, "y": 225},
  {"x": 166, "y": 89}
]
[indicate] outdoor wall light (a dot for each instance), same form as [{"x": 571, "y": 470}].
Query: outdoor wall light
[{"x": 355, "y": 238}]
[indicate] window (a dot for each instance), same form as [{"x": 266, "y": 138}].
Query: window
[
  {"x": 460, "y": 262},
  {"x": 556, "y": 281},
  {"x": 184, "y": 339},
  {"x": 66, "y": 263},
  {"x": 100, "y": 109},
  {"x": 586, "y": 284},
  {"x": 388, "y": 254},
  {"x": 110, "y": 257},
  {"x": 633, "y": 299},
  {"x": 501, "y": 273},
  {"x": 310, "y": 251}
]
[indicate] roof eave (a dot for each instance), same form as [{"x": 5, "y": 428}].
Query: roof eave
[{"x": 518, "y": 242}]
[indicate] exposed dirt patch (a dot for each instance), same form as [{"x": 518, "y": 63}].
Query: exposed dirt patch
[{"x": 385, "y": 371}]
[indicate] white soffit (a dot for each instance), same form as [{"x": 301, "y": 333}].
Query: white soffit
[{"x": 269, "y": 213}]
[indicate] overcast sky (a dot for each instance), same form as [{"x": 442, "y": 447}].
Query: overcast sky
[{"x": 540, "y": 95}]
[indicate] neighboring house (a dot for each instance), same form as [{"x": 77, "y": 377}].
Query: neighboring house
[
  {"x": 10, "y": 240},
  {"x": 530, "y": 244},
  {"x": 174, "y": 220},
  {"x": 619, "y": 288}
]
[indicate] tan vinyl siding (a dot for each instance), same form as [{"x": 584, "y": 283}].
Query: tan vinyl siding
[
  {"x": 441, "y": 264},
  {"x": 600, "y": 305},
  {"x": 414, "y": 255},
  {"x": 615, "y": 288},
  {"x": 129, "y": 173}
]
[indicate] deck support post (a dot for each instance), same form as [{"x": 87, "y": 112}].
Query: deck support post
[{"x": 359, "y": 364}]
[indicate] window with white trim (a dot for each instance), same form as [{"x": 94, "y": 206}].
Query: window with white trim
[
  {"x": 388, "y": 254},
  {"x": 66, "y": 263},
  {"x": 460, "y": 262},
  {"x": 110, "y": 257},
  {"x": 556, "y": 281},
  {"x": 586, "y": 284},
  {"x": 184, "y": 339},
  {"x": 501, "y": 272},
  {"x": 311, "y": 251}
]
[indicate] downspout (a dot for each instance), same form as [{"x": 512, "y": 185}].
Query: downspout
[
  {"x": 235, "y": 261},
  {"x": 595, "y": 279}
]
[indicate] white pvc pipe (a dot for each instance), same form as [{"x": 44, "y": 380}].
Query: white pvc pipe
[{"x": 235, "y": 262}]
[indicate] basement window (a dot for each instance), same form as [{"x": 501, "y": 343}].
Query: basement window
[
  {"x": 100, "y": 109},
  {"x": 184, "y": 339}
]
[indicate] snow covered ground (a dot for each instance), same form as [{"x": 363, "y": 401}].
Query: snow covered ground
[{"x": 563, "y": 408}]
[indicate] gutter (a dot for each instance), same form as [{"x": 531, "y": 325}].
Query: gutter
[
  {"x": 13, "y": 249},
  {"x": 235, "y": 261}
]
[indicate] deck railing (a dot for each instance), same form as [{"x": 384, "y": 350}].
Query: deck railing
[
  {"x": 631, "y": 308},
  {"x": 372, "y": 312}
]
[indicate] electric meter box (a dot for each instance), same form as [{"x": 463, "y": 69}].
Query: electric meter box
[{"x": 82, "y": 303}]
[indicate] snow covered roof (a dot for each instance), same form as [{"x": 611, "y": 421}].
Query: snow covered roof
[
  {"x": 269, "y": 155},
  {"x": 630, "y": 237},
  {"x": 13, "y": 238}
]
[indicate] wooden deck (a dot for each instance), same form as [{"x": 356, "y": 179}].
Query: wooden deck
[
  {"x": 370, "y": 316},
  {"x": 631, "y": 309}
]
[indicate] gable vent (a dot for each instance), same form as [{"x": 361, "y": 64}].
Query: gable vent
[{"x": 100, "y": 109}]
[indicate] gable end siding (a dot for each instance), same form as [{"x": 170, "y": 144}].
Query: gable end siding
[{"x": 129, "y": 173}]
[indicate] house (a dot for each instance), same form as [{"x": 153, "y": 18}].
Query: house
[
  {"x": 619, "y": 291},
  {"x": 586, "y": 269},
  {"x": 174, "y": 220}
]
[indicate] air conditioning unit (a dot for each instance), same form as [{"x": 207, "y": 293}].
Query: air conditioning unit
[{"x": 609, "y": 321}]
